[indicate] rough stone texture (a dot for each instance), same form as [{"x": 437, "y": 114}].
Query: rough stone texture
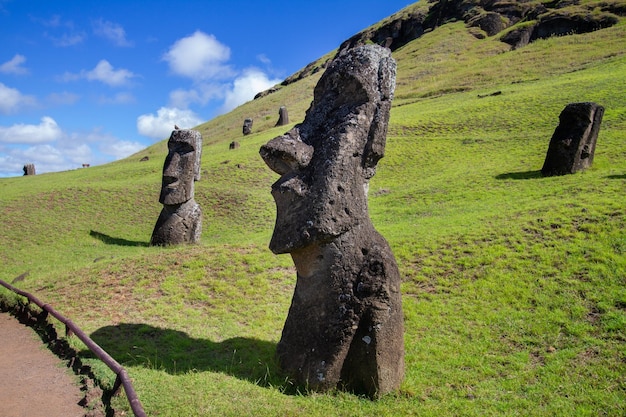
[
  {"x": 345, "y": 326},
  {"x": 283, "y": 116},
  {"x": 560, "y": 24},
  {"x": 29, "y": 169},
  {"x": 180, "y": 220},
  {"x": 573, "y": 143},
  {"x": 247, "y": 127}
]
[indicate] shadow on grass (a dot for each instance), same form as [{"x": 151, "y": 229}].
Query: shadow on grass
[
  {"x": 526, "y": 175},
  {"x": 617, "y": 177},
  {"x": 177, "y": 353},
  {"x": 109, "y": 240}
]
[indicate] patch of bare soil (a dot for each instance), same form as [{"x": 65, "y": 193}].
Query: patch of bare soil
[{"x": 34, "y": 381}]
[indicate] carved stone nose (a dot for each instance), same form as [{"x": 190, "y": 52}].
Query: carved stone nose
[
  {"x": 287, "y": 153},
  {"x": 172, "y": 165}
]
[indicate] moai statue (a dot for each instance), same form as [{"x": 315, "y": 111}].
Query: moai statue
[
  {"x": 345, "y": 325},
  {"x": 247, "y": 127},
  {"x": 180, "y": 220},
  {"x": 283, "y": 117},
  {"x": 29, "y": 169},
  {"x": 573, "y": 143}
]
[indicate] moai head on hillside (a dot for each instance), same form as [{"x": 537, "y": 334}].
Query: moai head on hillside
[
  {"x": 29, "y": 169},
  {"x": 181, "y": 167},
  {"x": 573, "y": 144},
  {"x": 326, "y": 162},
  {"x": 283, "y": 116},
  {"x": 180, "y": 220}
]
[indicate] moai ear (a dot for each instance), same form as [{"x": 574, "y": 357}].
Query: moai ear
[
  {"x": 377, "y": 137},
  {"x": 196, "y": 167}
]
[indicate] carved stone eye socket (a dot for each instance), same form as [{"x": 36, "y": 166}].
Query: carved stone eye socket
[{"x": 181, "y": 147}]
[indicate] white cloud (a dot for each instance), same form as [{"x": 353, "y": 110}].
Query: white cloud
[
  {"x": 160, "y": 126},
  {"x": 45, "y": 157},
  {"x": 201, "y": 93},
  {"x": 264, "y": 59},
  {"x": 55, "y": 150},
  {"x": 66, "y": 39},
  {"x": 63, "y": 98},
  {"x": 199, "y": 57},
  {"x": 105, "y": 73},
  {"x": 14, "y": 66},
  {"x": 11, "y": 100},
  {"x": 245, "y": 87},
  {"x": 119, "y": 98},
  {"x": 45, "y": 154},
  {"x": 111, "y": 31},
  {"x": 46, "y": 131},
  {"x": 122, "y": 148}
]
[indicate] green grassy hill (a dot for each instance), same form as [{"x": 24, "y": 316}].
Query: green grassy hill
[{"x": 514, "y": 285}]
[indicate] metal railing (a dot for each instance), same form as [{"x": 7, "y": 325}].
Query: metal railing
[{"x": 70, "y": 328}]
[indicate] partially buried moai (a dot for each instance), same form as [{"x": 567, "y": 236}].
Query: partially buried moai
[
  {"x": 180, "y": 220},
  {"x": 345, "y": 324},
  {"x": 573, "y": 144}
]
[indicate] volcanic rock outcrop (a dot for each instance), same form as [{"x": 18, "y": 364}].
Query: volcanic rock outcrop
[{"x": 516, "y": 23}]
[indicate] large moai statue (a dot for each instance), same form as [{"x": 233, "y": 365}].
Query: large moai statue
[
  {"x": 345, "y": 324},
  {"x": 573, "y": 143},
  {"x": 29, "y": 169},
  {"x": 180, "y": 220}
]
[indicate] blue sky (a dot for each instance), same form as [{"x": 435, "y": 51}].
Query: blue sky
[{"x": 95, "y": 81}]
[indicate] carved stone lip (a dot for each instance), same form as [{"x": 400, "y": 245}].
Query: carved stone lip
[{"x": 290, "y": 183}]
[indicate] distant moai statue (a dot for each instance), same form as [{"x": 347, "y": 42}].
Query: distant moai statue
[
  {"x": 345, "y": 324},
  {"x": 180, "y": 220},
  {"x": 283, "y": 117},
  {"x": 29, "y": 169},
  {"x": 233, "y": 145},
  {"x": 247, "y": 126},
  {"x": 573, "y": 143}
]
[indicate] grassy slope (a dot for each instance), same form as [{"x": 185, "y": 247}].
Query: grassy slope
[{"x": 514, "y": 289}]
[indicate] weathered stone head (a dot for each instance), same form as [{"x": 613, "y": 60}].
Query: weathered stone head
[
  {"x": 180, "y": 220},
  {"x": 573, "y": 144},
  {"x": 345, "y": 324},
  {"x": 283, "y": 116},
  {"x": 181, "y": 167},
  {"x": 326, "y": 162},
  {"x": 29, "y": 169}
]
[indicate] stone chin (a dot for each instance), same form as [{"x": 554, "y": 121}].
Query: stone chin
[{"x": 303, "y": 220}]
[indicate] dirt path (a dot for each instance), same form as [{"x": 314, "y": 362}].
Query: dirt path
[{"x": 33, "y": 381}]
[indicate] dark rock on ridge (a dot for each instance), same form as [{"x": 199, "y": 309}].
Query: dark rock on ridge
[{"x": 539, "y": 20}]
